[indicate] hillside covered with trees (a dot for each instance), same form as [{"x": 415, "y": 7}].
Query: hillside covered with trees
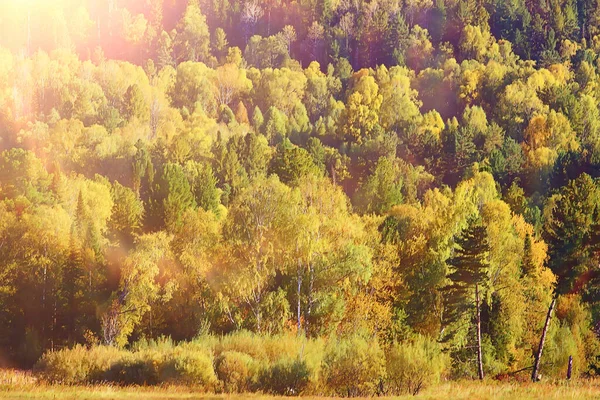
[{"x": 418, "y": 172}]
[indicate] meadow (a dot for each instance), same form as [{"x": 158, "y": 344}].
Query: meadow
[
  {"x": 583, "y": 389},
  {"x": 16, "y": 384}
]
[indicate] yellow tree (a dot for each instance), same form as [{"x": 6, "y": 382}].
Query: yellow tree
[
  {"x": 331, "y": 262},
  {"x": 230, "y": 82},
  {"x": 281, "y": 88},
  {"x": 255, "y": 241},
  {"x": 142, "y": 272},
  {"x": 363, "y": 105},
  {"x": 400, "y": 105}
]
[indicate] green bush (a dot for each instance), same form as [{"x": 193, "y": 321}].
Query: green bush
[
  {"x": 136, "y": 369},
  {"x": 77, "y": 365},
  {"x": 236, "y": 371},
  {"x": 279, "y": 347},
  {"x": 413, "y": 365},
  {"x": 286, "y": 377},
  {"x": 285, "y": 364},
  {"x": 243, "y": 342},
  {"x": 194, "y": 368},
  {"x": 163, "y": 363},
  {"x": 354, "y": 366},
  {"x": 148, "y": 363},
  {"x": 274, "y": 357}
]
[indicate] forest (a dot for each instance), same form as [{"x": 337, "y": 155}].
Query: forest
[{"x": 397, "y": 186}]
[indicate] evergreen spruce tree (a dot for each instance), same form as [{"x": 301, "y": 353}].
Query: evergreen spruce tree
[
  {"x": 527, "y": 265},
  {"x": 396, "y": 40},
  {"x": 570, "y": 231},
  {"x": 437, "y": 21},
  {"x": 469, "y": 269}
]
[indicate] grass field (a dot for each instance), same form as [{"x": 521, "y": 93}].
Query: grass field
[
  {"x": 18, "y": 385},
  {"x": 455, "y": 390}
]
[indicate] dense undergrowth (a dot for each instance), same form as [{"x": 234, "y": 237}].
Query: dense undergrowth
[{"x": 245, "y": 362}]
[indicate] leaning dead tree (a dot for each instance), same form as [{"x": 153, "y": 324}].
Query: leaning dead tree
[{"x": 538, "y": 356}]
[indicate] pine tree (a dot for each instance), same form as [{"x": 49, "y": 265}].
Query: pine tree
[
  {"x": 174, "y": 194},
  {"x": 570, "y": 233},
  {"x": 482, "y": 16},
  {"x": 127, "y": 214},
  {"x": 164, "y": 54},
  {"x": 72, "y": 274},
  {"x": 141, "y": 166},
  {"x": 466, "y": 11},
  {"x": 193, "y": 36},
  {"x": 396, "y": 40},
  {"x": 325, "y": 11},
  {"x": 437, "y": 21},
  {"x": 571, "y": 30},
  {"x": 257, "y": 119},
  {"x": 220, "y": 44},
  {"x": 468, "y": 275},
  {"x": 527, "y": 264},
  {"x": 204, "y": 188}
]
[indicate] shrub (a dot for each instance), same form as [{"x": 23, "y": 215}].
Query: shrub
[
  {"x": 194, "y": 368},
  {"x": 243, "y": 342},
  {"x": 284, "y": 364},
  {"x": 161, "y": 362},
  {"x": 288, "y": 346},
  {"x": 560, "y": 344},
  {"x": 77, "y": 365},
  {"x": 274, "y": 357},
  {"x": 354, "y": 366},
  {"x": 286, "y": 377},
  {"x": 136, "y": 369},
  {"x": 149, "y": 363},
  {"x": 413, "y": 365},
  {"x": 235, "y": 370}
]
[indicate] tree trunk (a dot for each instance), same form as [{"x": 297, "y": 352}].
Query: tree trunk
[
  {"x": 299, "y": 293},
  {"x": 570, "y": 368},
  {"x": 479, "y": 354},
  {"x": 536, "y": 365},
  {"x": 311, "y": 279},
  {"x": 333, "y": 175},
  {"x": 258, "y": 320},
  {"x": 44, "y": 319},
  {"x": 54, "y": 323},
  {"x": 29, "y": 30}
]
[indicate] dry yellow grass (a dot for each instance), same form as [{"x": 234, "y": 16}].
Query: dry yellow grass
[
  {"x": 22, "y": 385},
  {"x": 457, "y": 390}
]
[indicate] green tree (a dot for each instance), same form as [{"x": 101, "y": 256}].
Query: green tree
[
  {"x": 468, "y": 274},
  {"x": 164, "y": 54},
  {"x": 127, "y": 214},
  {"x": 570, "y": 222},
  {"x": 275, "y": 126},
  {"x": 171, "y": 196},
  {"x": 291, "y": 163},
  {"x": 256, "y": 154},
  {"x": 139, "y": 288},
  {"x": 382, "y": 189},
  {"x": 257, "y": 220},
  {"x": 361, "y": 115},
  {"x": 192, "y": 42},
  {"x": 136, "y": 105},
  {"x": 220, "y": 44},
  {"x": 203, "y": 185}
]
